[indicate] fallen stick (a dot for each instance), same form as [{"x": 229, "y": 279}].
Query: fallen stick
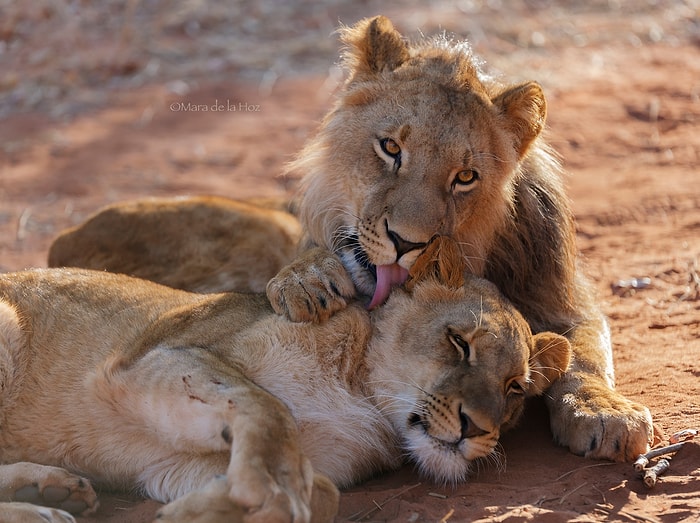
[
  {"x": 683, "y": 435},
  {"x": 643, "y": 459},
  {"x": 652, "y": 474}
]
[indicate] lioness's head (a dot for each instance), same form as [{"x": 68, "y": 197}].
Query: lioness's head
[
  {"x": 452, "y": 363},
  {"x": 417, "y": 144}
]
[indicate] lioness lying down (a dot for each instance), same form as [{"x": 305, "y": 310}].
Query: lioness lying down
[{"x": 137, "y": 385}]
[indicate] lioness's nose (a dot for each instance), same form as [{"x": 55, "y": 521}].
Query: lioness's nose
[
  {"x": 469, "y": 428},
  {"x": 402, "y": 246}
]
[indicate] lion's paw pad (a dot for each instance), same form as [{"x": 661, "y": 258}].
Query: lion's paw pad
[
  {"x": 75, "y": 495},
  {"x": 50, "y": 495}
]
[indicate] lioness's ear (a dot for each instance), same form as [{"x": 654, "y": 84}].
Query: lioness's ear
[
  {"x": 441, "y": 260},
  {"x": 525, "y": 111},
  {"x": 551, "y": 355},
  {"x": 373, "y": 46}
]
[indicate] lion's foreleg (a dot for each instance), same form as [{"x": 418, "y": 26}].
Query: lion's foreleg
[
  {"x": 587, "y": 414},
  {"x": 30, "y": 484}
]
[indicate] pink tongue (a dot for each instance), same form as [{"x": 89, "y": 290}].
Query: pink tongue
[{"x": 387, "y": 277}]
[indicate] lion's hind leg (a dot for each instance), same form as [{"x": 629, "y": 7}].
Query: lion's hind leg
[
  {"x": 25, "y": 486},
  {"x": 47, "y": 486},
  {"x": 210, "y": 420}
]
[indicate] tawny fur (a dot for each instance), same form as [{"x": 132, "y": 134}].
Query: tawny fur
[{"x": 138, "y": 386}]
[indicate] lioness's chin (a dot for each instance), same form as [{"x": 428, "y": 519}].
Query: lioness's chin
[
  {"x": 439, "y": 461},
  {"x": 445, "y": 462}
]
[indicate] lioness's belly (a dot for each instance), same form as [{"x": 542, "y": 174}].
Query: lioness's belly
[
  {"x": 310, "y": 368},
  {"x": 344, "y": 435}
]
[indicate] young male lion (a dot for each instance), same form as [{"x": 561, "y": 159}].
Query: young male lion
[
  {"x": 233, "y": 413},
  {"x": 420, "y": 143}
]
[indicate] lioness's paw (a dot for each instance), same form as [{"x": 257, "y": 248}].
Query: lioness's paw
[
  {"x": 597, "y": 422},
  {"x": 49, "y": 486},
  {"x": 208, "y": 505},
  {"x": 272, "y": 491},
  {"x": 212, "y": 504},
  {"x": 27, "y": 513},
  {"x": 312, "y": 288}
]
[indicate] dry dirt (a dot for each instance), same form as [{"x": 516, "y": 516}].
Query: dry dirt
[{"x": 94, "y": 109}]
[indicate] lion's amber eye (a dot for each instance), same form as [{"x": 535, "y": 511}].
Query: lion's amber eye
[
  {"x": 514, "y": 387},
  {"x": 390, "y": 147},
  {"x": 466, "y": 177}
]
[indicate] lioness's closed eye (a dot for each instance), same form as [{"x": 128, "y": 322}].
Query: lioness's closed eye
[{"x": 215, "y": 403}]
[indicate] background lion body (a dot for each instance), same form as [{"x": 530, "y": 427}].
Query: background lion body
[{"x": 199, "y": 244}]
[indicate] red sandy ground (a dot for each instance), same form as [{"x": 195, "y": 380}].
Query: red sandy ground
[{"x": 87, "y": 99}]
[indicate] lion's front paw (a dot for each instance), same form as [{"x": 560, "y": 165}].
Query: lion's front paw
[
  {"x": 597, "y": 422},
  {"x": 312, "y": 288},
  {"x": 48, "y": 486}
]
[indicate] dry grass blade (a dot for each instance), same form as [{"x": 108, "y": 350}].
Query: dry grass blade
[{"x": 359, "y": 516}]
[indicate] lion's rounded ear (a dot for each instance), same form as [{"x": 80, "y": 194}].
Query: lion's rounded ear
[
  {"x": 550, "y": 358},
  {"x": 373, "y": 46},
  {"x": 525, "y": 110},
  {"x": 442, "y": 261}
]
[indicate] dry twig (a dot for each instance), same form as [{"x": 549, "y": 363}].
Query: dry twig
[
  {"x": 582, "y": 468},
  {"x": 22, "y": 223},
  {"x": 692, "y": 291},
  {"x": 638, "y": 517},
  {"x": 626, "y": 288},
  {"x": 683, "y": 435},
  {"x": 359, "y": 516},
  {"x": 643, "y": 459},
  {"x": 651, "y": 474},
  {"x": 563, "y": 498}
]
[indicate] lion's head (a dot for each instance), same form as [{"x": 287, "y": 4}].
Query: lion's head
[
  {"x": 418, "y": 144},
  {"x": 468, "y": 362}
]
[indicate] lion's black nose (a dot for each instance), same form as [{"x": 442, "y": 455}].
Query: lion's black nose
[
  {"x": 402, "y": 246},
  {"x": 469, "y": 428}
]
